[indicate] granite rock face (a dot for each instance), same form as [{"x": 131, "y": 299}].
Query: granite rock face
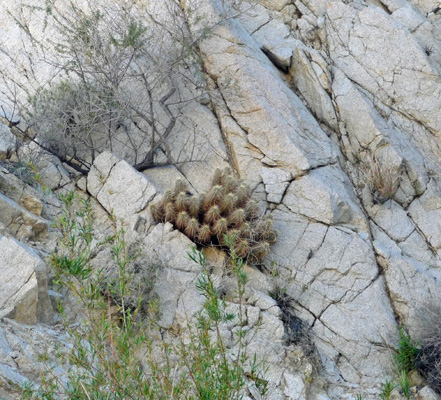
[
  {"x": 118, "y": 187},
  {"x": 7, "y": 142},
  {"x": 330, "y": 110},
  {"x": 24, "y": 295},
  {"x": 20, "y": 349},
  {"x": 367, "y": 74}
]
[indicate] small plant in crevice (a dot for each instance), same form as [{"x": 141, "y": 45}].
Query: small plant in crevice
[
  {"x": 428, "y": 360},
  {"x": 405, "y": 359},
  {"x": 428, "y": 49},
  {"x": 405, "y": 384},
  {"x": 407, "y": 352},
  {"x": 296, "y": 330},
  {"x": 386, "y": 389},
  {"x": 383, "y": 178},
  {"x": 226, "y": 209}
]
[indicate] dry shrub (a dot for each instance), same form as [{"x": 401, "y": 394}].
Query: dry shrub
[
  {"x": 429, "y": 361},
  {"x": 382, "y": 177}
]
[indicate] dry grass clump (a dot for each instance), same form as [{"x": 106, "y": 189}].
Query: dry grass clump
[
  {"x": 383, "y": 178},
  {"x": 428, "y": 361},
  {"x": 226, "y": 209}
]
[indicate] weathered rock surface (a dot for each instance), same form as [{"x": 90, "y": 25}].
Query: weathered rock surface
[
  {"x": 20, "y": 349},
  {"x": 23, "y": 194},
  {"x": 24, "y": 296},
  {"x": 19, "y": 222},
  {"x": 7, "y": 142},
  {"x": 305, "y": 99},
  {"x": 118, "y": 187}
]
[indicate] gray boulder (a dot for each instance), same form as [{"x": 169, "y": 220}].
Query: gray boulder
[
  {"x": 118, "y": 187},
  {"x": 24, "y": 296}
]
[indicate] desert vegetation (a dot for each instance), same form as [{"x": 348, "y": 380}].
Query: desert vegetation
[
  {"x": 428, "y": 360},
  {"x": 226, "y": 209},
  {"x": 422, "y": 357},
  {"x": 382, "y": 177},
  {"x": 116, "y": 76},
  {"x": 120, "y": 354}
]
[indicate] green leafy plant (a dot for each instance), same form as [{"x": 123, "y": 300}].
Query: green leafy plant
[
  {"x": 37, "y": 177},
  {"x": 405, "y": 361},
  {"x": 407, "y": 352},
  {"x": 386, "y": 390},
  {"x": 405, "y": 384},
  {"x": 226, "y": 209},
  {"x": 116, "y": 354},
  {"x": 217, "y": 377}
]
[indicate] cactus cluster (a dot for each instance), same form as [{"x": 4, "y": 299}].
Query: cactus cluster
[{"x": 226, "y": 209}]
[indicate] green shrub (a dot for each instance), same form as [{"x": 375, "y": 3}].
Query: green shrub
[
  {"x": 405, "y": 361},
  {"x": 118, "y": 355},
  {"x": 407, "y": 352},
  {"x": 226, "y": 209}
]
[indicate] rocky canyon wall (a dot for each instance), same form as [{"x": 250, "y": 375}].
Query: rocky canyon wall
[{"x": 331, "y": 111}]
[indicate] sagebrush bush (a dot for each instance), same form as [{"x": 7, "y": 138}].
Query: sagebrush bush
[{"x": 226, "y": 209}]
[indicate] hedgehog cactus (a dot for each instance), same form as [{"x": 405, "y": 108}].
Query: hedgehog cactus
[
  {"x": 194, "y": 205},
  {"x": 245, "y": 230},
  {"x": 181, "y": 202},
  {"x": 156, "y": 212},
  {"x": 252, "y": 210},
  {"x": 220, "y": 227},
  {"x": 227, "y": 208},
  {"x": 212, "y": 215},
  {"x": 242, "y": 248},
  {"x": 259, "y": 251},
  {"x": 205, "y": 234},
  {"x": 237, "y": 217},
  {"x": 180, "y": 186},
  {"x": 214, "y": 196},
  {"x": 228, "y": 203},
  {"x": 229, "y": 183},
  {"x": 192, "y": 228},
  {"x": 168, "y": 196},
  {"x": 243, "y": 194},
  {"x": 217, "y": 177},
  {"x": 170, "y": 213},
  {"x": 182, "y": 220}
]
